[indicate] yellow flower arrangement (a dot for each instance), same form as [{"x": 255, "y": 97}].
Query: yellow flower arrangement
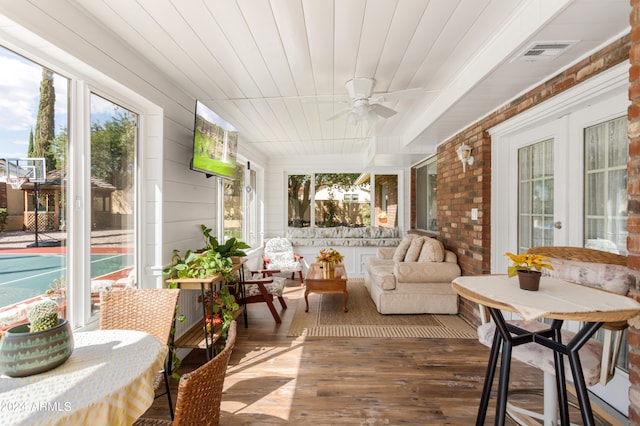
[
  {"x": 329, "y": 255},
  {"x": 527, "y": 262}
]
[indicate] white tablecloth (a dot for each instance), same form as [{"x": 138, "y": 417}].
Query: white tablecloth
[
  {"x": 108, "y": 380},
  {"x": 555, "y": 296}
]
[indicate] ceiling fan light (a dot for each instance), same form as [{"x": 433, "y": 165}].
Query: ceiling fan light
[
  {"x": 352, "y": 118},
  {"x": 361, "y": 109},
  {"x": 371, "y": 117}
]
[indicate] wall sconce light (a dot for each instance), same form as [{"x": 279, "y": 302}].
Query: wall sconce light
[{"x": 464, "y": 154}]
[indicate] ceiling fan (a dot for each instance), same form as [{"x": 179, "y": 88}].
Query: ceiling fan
[{"x": 362, "y": 105}]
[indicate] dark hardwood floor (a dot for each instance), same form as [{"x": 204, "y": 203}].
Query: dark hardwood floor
[{"x": 273, "y": 379}]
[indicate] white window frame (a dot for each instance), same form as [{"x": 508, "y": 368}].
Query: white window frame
[
  {"x": 425, "y": 164},
  {"x": 82, "y": 82}
]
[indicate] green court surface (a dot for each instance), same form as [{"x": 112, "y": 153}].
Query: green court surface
[{"x": 26, "y": 275}]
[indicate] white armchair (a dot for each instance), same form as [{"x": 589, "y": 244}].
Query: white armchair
[{"x": 279, "y": 257}]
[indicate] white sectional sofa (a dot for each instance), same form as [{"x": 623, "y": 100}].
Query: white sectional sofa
[{"x": 413, "y": 278}]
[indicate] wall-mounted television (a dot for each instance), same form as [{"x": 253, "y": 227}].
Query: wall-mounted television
[{"x": 215, "y": 144}]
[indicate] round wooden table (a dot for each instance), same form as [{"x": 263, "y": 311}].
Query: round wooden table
[{"x": 557, "y": 299}]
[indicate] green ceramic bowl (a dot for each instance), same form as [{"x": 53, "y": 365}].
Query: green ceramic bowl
[{"x": 23, "y": 353}]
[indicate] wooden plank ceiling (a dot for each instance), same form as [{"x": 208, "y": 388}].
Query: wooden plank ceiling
[{"x": 277, "y": 69}]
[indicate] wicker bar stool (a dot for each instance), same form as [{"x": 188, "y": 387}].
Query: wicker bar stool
[
  {"x": 150, "y": 310},
  {"x": 200, "y": 391}
]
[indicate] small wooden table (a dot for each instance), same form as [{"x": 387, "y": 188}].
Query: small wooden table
[
  {"x": 316, "y": 283},
  {"x": 197, "y": 336}
]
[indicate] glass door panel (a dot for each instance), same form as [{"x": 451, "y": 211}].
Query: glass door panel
[
  {"x": 536, "y": 195},
  {"x": 113, "y": 195},
  {"x": 605, "y": 192}
]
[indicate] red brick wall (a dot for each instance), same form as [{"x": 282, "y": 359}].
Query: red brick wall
[
  {"x": 459, "y": 192},
  {"x": 633, "y": 226}
]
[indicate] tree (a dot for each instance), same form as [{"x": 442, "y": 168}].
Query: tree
[
  {"x": 45, "y": 125},
  {"x": 301, "y": 185},
  {"x": 112, "y": 150},
  {"x": 58, "y": 149},
  {"x": 31, "y": 148},
  {"x": 298, "y": 206}
]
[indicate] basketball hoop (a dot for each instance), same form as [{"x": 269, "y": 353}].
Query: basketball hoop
[{"x": 16, "y": 183}]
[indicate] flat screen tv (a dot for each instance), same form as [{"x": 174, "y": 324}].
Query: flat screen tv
[{"x": 215, "y": 144}]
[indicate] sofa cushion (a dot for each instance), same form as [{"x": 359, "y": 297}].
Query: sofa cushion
[
  {"x": 432, "y": 251},
  {"x": 275, "y": 288},
  {"x": 382, "y": 275},
  {"x": 402, "y": 248},
  {"x": 413, "y": 253},
  {"x": 426, "y": 272}
]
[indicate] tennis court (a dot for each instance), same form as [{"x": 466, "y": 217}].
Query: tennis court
[{"x": 24, "y": 275}]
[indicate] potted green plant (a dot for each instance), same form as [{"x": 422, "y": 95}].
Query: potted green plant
[
  {"x": 232, "y": 248},
  {"x": 528, "y": 268},
  {"x": 205, "y": 263}
]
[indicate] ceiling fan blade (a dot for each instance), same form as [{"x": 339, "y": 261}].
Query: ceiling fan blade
[
  {"x": 383, "y": 111},
  {"x": 399, "y": 95},
  {"x": 339, "y": 114}
]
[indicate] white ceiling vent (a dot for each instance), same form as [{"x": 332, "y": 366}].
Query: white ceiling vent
[{"x": 543, "y": 51}]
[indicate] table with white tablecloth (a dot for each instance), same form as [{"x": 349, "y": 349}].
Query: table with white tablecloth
[
  {"x": 108, "y": 380},
  {"x": 558, "y": 300}
]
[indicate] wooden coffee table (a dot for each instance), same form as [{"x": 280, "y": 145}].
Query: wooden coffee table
[{"x": 316, "y": 283}]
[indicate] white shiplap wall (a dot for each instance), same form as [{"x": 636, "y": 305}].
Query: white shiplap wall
[{"x": 174, "y": 199}]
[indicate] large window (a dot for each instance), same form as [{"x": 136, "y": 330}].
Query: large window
[
  {"x": 72, "y": 253},
  {"x": 240, "y": 201},
  {"x": 426, "y": 195},
  {"x": 251, "y": 236},
  {"x": 342, "y": 199},
  {"x": 33, "y": 241},
  {"x": 234, "y": 204},
  {"x": 605, "y": 186}
]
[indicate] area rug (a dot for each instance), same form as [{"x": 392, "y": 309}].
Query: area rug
[{"x": 326, "y": 319}]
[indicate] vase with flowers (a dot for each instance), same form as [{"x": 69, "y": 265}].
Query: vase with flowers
[
  {"x": 528, "y": 268},
  {"x": 329, "y": 258}
]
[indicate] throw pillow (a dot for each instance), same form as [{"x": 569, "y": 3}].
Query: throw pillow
[
  {"x": 413, "y": 253},
  {"x": 432, "y": 251},
  {"x": 401, "y": 250},
  {"x": 607, "y": 277}
]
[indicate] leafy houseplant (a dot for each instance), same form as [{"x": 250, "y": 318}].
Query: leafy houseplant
[
  {"x": 202, "y": 265},
  {"x": 231, "y": 248},
  {"x": 211, "y": 260},
  {"x": 528, "y": 267}
]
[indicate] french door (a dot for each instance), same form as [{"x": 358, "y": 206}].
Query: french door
[{"x": 559, "y": 178}]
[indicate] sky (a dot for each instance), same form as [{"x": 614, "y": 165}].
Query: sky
[{"x": 19, "y": 97}]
